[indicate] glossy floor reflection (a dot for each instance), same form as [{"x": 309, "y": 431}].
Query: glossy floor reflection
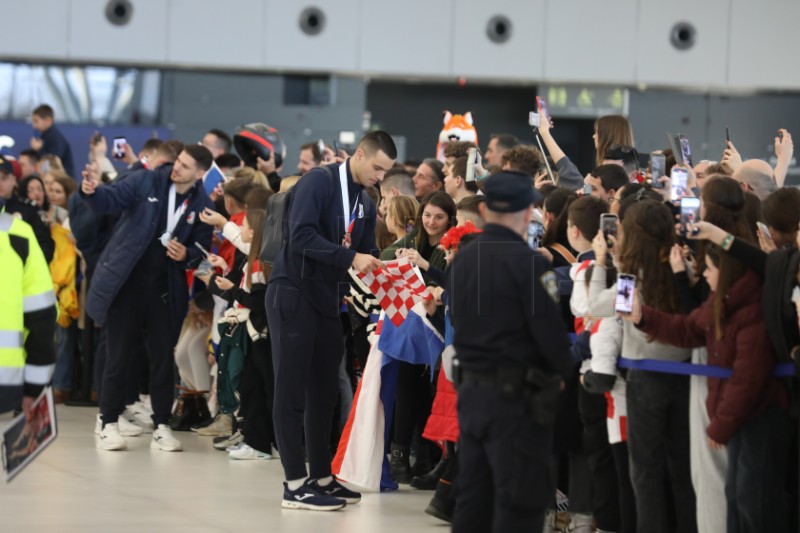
[{"x": 73, "y": 487}]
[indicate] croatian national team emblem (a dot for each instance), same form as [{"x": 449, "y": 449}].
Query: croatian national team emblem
[
  {"x": 190, "y": 217},
  {"x": 397, "y": 287}
]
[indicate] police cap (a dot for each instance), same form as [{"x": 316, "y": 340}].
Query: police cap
[
  {"x": 6, "y": 165},
  {"x": 509, "y": 192}
]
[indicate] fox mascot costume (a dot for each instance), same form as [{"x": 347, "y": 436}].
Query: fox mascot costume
[{"x": 456, "y": 128}]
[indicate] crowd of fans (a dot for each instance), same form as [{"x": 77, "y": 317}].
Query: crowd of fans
[{"x": 636, "y": 447}]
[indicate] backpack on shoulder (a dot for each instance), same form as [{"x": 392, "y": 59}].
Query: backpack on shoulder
[
  {"x": 276, "y": 225},
  {"x": 780, "y": 314}
]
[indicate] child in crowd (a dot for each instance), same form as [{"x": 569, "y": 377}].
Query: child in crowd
[{"x": 247, "y": 320}]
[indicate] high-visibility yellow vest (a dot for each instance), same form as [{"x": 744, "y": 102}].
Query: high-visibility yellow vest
[{"x": 25, "y": 287}]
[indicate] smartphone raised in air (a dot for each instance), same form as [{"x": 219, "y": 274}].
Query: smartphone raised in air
[
  {"x": 626, "y": 285},
  {"x": 658, "y": 168},
  {"x": 119, "y": 147},
  {"x": 690, "y": 212},
  {"x": 608, "y": 224},
  {"x": 685, "y": 148},
  {"x": 535, "y": 234},
  {"x": 679, "y": 179}
]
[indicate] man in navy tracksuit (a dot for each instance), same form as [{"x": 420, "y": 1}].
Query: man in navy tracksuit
[
  {"x": 331, "y": 228},
  {"x": 139, "y": 286}
]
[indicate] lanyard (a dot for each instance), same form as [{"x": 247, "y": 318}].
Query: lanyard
[
  {"x": 346, "y": 198},
  {"x": 173, "y": 215}
]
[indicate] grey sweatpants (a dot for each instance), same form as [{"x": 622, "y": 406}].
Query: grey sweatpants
[{"x": 709, "y": 467}]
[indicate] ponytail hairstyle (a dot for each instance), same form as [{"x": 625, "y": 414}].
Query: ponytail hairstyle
[
  {"x": 731, "y": 270},
  {"x": 557, "y": 202},
  {"x": 649, "y": 234},
  {"x": 403, "y": 209}
]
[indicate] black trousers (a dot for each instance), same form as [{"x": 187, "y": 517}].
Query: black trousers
[
  {"x": 755, "y": 484},
  {"x": 413, "y": 401},
  {"x": 658, "y": 445},
  {"x": 306, "y": 353},
  {"x": 504, "y": 479},
  {"x": 627, "y": 501},
  {"x": 256, "y": 390},
  {"x": 605, "y": 499},
  {"x": 137, "y": 313}
]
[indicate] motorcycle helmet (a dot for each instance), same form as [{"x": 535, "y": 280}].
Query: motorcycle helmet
[{"x": 259, "y": 140}]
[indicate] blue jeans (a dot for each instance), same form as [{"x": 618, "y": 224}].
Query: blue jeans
[{"x": 757, "y": 464}]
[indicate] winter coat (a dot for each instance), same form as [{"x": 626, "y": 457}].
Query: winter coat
[
  {"x": 141, "y": 197},
  {"x": 744, "y": 347}
]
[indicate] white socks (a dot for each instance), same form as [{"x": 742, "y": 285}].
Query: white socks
[{"x": 296, "y": 483}]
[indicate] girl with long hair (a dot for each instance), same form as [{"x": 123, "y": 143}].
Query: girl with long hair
[
  {"x": 554, "y": 219},
  {"x": 657, "y": 403},
  {"x": 608, "y": 130},
  {"x": 247, "y": 311},
  {"x": 436, "y": 214},
  {"x": 747, "y": 410}
]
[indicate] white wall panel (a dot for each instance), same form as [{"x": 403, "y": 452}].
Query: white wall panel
[
  {"x": 287, "y": 47},
  {"x": 764, "y": 44},
  {"x": 590, "y": 41},
  {"x": 143, "y": 39},
  {"x": 741, "y": 44},
  {"x": 407, "y": 37},
  {"x": 521, "y": 57},
  {"x": 35, "y": 28},
  {"x": 217, "y": 35},
  {"x": 704, "y": 64}
]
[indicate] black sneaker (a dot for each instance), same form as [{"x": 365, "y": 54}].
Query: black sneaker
[
  {"x": 337, "y": 490},
  {"x": 310, "y": 497}
]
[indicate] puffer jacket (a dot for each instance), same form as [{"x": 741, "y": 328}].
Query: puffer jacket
[{"x": 744, "y": 348}]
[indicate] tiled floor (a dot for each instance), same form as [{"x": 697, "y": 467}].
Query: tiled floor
[{"x": 73, "y": 487}]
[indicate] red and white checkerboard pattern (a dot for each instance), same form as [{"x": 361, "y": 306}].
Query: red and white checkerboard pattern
[{"x": 397, "y": 287}]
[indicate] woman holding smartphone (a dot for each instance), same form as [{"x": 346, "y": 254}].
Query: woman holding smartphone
[
  {"x": 658, "y": 403},
  {"x": 608, "y": 130},
  {"x": 748, "y": 410}
]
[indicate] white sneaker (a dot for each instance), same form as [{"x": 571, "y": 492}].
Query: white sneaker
[
  {"x": 164, "y": 440},
  {"x": 144, "y": 403},
  {"x": 128, "y": 429},
  {"x": 245, "y": 452},
  {"x": 137, "y": 414},
  {"x": 110, "y": 439}
]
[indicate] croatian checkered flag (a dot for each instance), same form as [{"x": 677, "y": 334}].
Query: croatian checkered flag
[{"x": 397, "y": 286}]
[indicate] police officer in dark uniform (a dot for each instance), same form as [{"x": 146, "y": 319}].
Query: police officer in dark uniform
[{"x": 512, "y": 354}]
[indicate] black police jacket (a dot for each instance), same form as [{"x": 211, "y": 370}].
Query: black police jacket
[{"x": 504, "y": 306}]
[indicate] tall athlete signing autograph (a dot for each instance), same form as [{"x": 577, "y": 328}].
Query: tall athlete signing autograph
[{"x": 331, "y": 228}]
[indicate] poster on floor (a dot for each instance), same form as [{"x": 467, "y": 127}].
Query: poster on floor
[{"x": 25, "y": 438}]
